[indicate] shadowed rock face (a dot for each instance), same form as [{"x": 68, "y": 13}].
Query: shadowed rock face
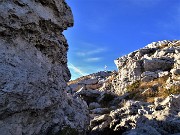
[{"x": 33, "y": 69}]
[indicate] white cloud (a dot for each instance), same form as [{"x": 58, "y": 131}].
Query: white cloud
[
  {"x": 95, "y": 59},
  {"x": 91, "y": 52},
  {"x": 76, "y": 69}
]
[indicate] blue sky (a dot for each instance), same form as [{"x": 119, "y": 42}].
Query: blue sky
[{"x": 107, "y": 29}]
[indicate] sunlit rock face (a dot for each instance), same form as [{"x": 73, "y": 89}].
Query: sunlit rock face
[
  {"x": 33, "y": 69},
  {"x": 142, "y": 98},
  {"x": 156, "y": 60}
]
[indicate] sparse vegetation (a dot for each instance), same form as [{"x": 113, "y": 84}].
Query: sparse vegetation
[
  {"x": 79, "y": 79},
  {"x": 84, "y": 78},
  {"x": 173, "y": 90},
  {"x": 133, "y": 86},
  {"x": 147, "y": 91},
  {"x": 175, "y": 43},
  {"x": 163, "y": 46}
]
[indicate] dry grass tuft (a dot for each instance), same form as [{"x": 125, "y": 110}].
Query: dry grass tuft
[
  {"x": 175, "y": 44},
  {"x": 147, "y": 91},
  {"x": 79, "y": 79}
]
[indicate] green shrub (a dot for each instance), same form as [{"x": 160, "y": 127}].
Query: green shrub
[{"x": 173, "y": 90}]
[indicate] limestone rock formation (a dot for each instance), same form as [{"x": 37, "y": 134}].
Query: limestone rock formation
[
  {"x": 158, "y": 60},
  {"x": 33, "y": 69}
]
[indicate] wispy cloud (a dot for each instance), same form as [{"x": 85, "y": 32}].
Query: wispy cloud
[
  {"x": 76, "y": 69},
  {"x": 91, "y": 52},
  {"x": 95, "y": 59}
]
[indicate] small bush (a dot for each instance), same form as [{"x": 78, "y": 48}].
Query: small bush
[
  {"x": 173, "y": 90},
  {"x": 133, "y": 86}
]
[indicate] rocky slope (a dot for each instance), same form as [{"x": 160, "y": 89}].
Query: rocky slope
[
  {"x": 140, "y": 118},
  {"x": 142, "y": 98},
  {"x": 33, "y": 70}
]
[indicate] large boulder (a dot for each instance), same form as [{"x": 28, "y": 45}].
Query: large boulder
[
  {"x": 154, "y": 64},
  {"x": 33, "y": 69}
]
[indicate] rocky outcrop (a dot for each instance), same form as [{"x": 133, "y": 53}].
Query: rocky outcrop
[
  {"x": 156, "y": 60},
  {"x": 140, "y": 118},
  {"x": 97, "y": 81},
  {"x": 142, "y": 98},
  {"x": 33, "y": 69}
]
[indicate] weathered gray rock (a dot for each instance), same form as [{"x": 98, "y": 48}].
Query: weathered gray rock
[
  {"x": 94, "y": 105},
  {"x": 156, "y": 60},
  {"x": 136, "y": 117},
  {"x": 172, "y": 103},
  {"x": 33, "y": 69},
  {"x": 88, "y": 95},
  {"x": 103, "y": 120},
  {"x": 148, "y": 76},
  {"x": 162, "y": 73},
  {"x": 90, "y": 81},
  {"x": 144, "y": 130},
  {"x": 100, "y": 111},
  {"x": 175, "y": 71},
  {"x": 96, "y": 81},
  {"x": 155, "y": 64}
]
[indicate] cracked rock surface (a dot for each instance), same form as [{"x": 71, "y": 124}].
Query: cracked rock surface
[
  {"x": 156, "y": 60},
  {"x": 33, "y": 69}
]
